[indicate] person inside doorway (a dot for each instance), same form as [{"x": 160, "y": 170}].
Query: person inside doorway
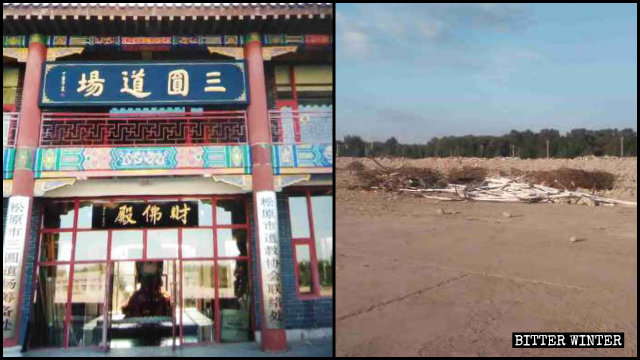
[{"x": 149, "y": 300}]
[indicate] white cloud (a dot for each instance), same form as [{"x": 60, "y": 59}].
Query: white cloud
[
  {"x": 431, "y": 29},
  {"x": 435, "y": 21},
  {"x": 503, "y": 65},
  {"x": 356, "y": 43},
  {"x": 354, "y": 38}
]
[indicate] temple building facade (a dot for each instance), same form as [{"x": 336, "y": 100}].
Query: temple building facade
[{"x": 167, "y": 174}]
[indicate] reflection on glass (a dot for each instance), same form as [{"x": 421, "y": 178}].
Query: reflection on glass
[
  {"x": 197, "y": 243},
  {"x": 91, "y": 245},
  {"x": 126, "y": 245},
  {"x": 87, "y": 304},
  {"x": 303, "y": 258},
  {"x": 314, "y": 86},
  {"x": 299, "y": 217},
  {"x": 124, "y": 284},
  {"x": 205, "y": 212},
  {"x": 231, "y": 212},
  {"x": 55, "y": 247},
  {"x": 235, "y": 300},
  {"x": 162, "y": 244},
  {"x": 85, "y": 215},
  {"x": 322, "y": 210},
  {"x": 47, "y": 319},
  {"x": 232, "y": 243},
  {"x": 199, "y": 296},
  {"x": 59, "y": 214},
  {"x": 142, "y": 305}
]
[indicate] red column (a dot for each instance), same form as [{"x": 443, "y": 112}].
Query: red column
[
  {"x": 30, "y": 117},
  {"x": 260, "y": 141},
  {"x": 26, "y": 144}
]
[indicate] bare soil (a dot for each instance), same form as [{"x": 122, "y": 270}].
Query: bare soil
[{"x": 418, "y": 277}]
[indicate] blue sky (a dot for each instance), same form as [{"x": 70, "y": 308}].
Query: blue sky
[{"x": 416, "y": 71}]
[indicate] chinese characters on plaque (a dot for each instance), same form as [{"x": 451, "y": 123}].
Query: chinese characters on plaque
[
  {"x": 137, "y": 215},
  {"x": 92, "y": 87},
  {"x": 141, "y": 83},
  {"x": 13, "y": 249},
  {"x": 178, "y": 83},
  {"x": 270, "y": 259},
  {"x": 138, "y": 83}
]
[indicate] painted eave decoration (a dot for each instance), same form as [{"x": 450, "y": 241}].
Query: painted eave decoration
[
  {"x": 142, "y": 161},
  {"x": 302, "y": 158},
  {"x": 8, "y": 161}
]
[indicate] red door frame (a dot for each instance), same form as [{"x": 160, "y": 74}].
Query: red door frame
[{"x": 215, "y": 227}]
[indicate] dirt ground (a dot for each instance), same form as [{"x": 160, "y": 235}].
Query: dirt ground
[{"x": 412, "y": 281}]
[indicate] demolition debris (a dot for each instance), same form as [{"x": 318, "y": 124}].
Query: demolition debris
[{"x": 473, "y": 184}]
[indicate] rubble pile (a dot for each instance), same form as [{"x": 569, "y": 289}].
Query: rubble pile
[
  {"x": 502, "y": 189},
  {"x": 474, "y": 184},
  {"x": 391, "y": 180}
]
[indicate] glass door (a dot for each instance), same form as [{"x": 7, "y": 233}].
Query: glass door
[
  {"x": 199, "y": 315},
  {"x": 143, "y": 304},
  {"x": 104, "y": 283}
]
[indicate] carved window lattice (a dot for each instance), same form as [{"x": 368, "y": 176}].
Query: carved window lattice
[{"x": 9, "y": 129}]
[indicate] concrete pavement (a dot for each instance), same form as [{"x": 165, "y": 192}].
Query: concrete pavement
[{"x": 317, "y": 348}]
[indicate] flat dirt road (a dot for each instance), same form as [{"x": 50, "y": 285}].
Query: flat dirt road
[{"x": 414, "y": 282}]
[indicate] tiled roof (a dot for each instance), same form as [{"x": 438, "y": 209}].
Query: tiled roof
[
  {"x": 155, "y": 10},
  {"x": 170, "y": 18},
  {"x": 166, "y": 5}
]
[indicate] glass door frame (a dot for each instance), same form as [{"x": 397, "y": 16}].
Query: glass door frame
[
  {"x": 108, "y": 314},
  {"x": 308, "y": 193},
  {"x": 179, "y": 260}
]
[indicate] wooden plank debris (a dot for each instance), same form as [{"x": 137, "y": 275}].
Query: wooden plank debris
[{"x": 502, "y": 189}]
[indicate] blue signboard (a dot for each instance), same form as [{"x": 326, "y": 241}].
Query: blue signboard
[{"x": 143, "y": 83}]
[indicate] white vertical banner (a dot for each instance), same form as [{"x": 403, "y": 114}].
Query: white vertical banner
[
  {"x": 267, "y": 213},
  {"x": 12, "y": 252}
]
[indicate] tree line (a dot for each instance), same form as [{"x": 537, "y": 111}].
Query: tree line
[{"x": 523, "y": 144}]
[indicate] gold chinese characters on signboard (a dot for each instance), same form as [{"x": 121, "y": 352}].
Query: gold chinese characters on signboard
[
  {"x": 177, "y": 84},
  {"x": 153, "y": 214},
  {"x": 138, "y": 84},
  {"x": 92, "y": 87},
  {"x": 125, "y": 215}
]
